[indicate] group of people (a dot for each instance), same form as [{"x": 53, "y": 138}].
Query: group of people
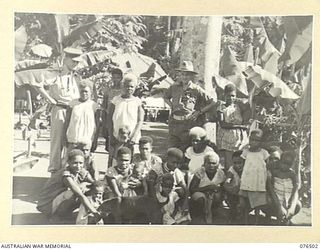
[{"x": 194, "y": 180}]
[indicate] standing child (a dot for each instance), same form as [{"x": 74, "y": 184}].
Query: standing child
[
  {"x": 254, "y": 175},
  {"x": 284, "y": 189},
  {"x": 95, "y": 198},
  {"x": 112, "y": 89},
  {"x": 82, "y": 117},
  {"x": 195, "y": 154},
  {"x": 126, "y": 110},
  {"x": 123, "y": 140},
  {"x": 232, "y": 183}
]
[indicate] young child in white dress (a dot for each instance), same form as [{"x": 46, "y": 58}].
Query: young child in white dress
[
  {"x": 126, "y": 110},
  {"x": 81, "y": 118},
  {"x": 254, "y": 175}
]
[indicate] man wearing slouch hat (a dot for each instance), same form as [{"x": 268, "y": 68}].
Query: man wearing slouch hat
[{"x": 189, "y": 102}]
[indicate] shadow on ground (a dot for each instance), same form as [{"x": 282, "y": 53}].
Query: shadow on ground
[{"x": 27, "y": 188}]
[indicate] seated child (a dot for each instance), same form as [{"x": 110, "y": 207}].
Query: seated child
[
  {"x": 195, "y": 154},
  {"x": 145, "y": 157},
  {"x": 66, "y": 189},
  {"x": 95, "y": 198},
  {"x": 170, "y": 202},
  {"x": 119, "y": 177},
  {"x": 284, "y": 189},
  {"x": 205, "y": 189},
  {"x": 123, "y": 140},
  {"x": 174, "y": 161},
  {"x": 232, "y": 183}
]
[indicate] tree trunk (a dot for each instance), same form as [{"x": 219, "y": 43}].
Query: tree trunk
[{"x": 201, "y": 44}]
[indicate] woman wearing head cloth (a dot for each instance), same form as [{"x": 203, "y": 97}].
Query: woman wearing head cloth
[{"x": 232, "y": 131}]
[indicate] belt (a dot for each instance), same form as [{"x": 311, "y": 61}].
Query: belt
[{"x": 181, "y": 117}]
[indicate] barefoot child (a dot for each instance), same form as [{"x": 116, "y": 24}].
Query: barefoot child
[
  {"x": 284, "y": 189},
  {"x": 65, "y": 190},
  {"x": 232, "y": 183},
  {"x": 95, "y": 198},
  {"x": 254, "y": 175}
]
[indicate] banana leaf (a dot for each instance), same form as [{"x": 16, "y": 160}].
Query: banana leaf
[
  {"x": 28, "y": 64},
  {"x": 21, "y": 39},
  {"x": 42, "y": 50},
  {"x": 269, "y": 82},
  {"x": 299, "y": 36},
  {"x": 91, "y": 58},
  {"x": 35, "y": 77}
]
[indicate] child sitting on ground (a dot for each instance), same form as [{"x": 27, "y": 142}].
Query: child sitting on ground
[
  {"x": 205, "y": 189},
  {"x": 95, "y": 197},
  {"x": 254, "y": 176},
  {"x": 195, "y": 154},
  {"x": 66, "y": 189},
  {"x": 119, "y": 177},
  {"x": 123, "y": 140},
  {"x": 284, "y": 189},
  {"x": 232, "y": 183},
  {"x": 170, "y": 202},
  {"x": 174, "y": 161}
]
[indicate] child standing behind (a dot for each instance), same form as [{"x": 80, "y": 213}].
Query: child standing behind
[
  {"x": 123, "y": 140},
  {"x": 95, "y": 198},
  {"x": 126, "y": 110},
  {"x": 254, "y": 175}
]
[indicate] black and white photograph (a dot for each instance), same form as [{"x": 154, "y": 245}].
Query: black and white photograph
[{"x": 162, "y": 120}]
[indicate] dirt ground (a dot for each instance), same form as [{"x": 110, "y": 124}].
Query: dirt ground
[{"x": 28, "y": 180}]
